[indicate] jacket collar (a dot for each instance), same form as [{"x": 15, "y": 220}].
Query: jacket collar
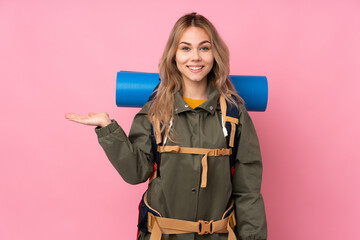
[{"x": 209, "y": 105}]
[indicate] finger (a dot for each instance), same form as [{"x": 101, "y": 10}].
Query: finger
[
  {"x": 74, "y": 120},
  {"x": 91, "y": 114},
  {"x": 78, "y": 120},
  {"x": 74, "y": 116},
  {"x": 70, "y": 115}
]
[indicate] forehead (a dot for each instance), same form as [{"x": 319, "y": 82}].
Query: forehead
[{"x": 194, "y": 35}]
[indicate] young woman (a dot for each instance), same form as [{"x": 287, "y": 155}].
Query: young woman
[{"x": 193, "y": 193}]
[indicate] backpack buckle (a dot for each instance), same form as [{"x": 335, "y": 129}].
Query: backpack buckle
[{"x": 205, "y": 227}]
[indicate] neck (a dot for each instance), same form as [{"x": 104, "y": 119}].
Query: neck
[{"x": 195, "y": 90}]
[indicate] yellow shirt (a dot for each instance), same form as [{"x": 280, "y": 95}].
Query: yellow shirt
[{"x": 193, "y": 103}]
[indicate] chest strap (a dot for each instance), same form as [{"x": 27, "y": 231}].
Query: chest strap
[{"x": 203, "y": 151}]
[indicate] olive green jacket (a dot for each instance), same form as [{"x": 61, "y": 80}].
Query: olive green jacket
[{"x": 177, "y": 193}]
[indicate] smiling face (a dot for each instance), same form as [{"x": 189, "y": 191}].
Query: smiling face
[{"x": 194, "y": 56}]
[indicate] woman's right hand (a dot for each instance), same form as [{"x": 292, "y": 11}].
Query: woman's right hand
[{"x": 93, "y": 119}]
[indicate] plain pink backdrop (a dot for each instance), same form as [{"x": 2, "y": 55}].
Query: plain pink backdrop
[{"x": 62, "y": 56}]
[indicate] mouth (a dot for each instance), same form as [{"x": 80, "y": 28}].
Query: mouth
[{"x": 195, "y": 68}]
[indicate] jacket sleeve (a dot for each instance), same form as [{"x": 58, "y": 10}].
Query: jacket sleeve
[
  {"x": 131, "y": 156},
  {"x": 250, "y": 210}
]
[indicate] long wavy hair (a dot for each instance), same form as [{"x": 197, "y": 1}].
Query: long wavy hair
[{"x": 162, "y": 106}]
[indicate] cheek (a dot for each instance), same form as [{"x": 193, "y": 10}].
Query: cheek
[
  {"x": 208, "y": 58},
  {"x": 210, "y": 62},
  {"x": 179, "y": 64},
  {"x": 180, "y": 59}
]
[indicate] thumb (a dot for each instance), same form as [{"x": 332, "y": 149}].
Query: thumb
[{"x": 91, "y": 114}]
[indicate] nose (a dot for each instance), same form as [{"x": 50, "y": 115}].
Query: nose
[{"x": 196, "y": 56}]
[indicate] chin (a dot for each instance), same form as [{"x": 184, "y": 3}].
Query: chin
[{"x": 197, "y": 79}]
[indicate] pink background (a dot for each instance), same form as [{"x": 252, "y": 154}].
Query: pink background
[{"x": 62, "y": 56}]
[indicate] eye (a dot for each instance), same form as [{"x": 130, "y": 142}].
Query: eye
[
  {"x": 204, "y": 48},
  {"x": 185, "y": 48}
]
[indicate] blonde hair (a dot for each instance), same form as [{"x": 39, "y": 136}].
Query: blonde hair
[{"x": 162, "y": 107}]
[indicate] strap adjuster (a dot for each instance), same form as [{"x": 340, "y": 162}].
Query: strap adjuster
[
  {"x": 205, "y": 227},
  {"x": 232, "y": 220},
  {"x": 150, "y": 221}
]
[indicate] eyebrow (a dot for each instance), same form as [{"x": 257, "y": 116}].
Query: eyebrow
[{"x": 206, "y": 41}]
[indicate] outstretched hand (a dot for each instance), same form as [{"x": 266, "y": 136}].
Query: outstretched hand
[{"x": 93, "y": 119}]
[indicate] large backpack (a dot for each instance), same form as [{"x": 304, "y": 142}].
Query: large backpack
[{"x": 230, "y": 118}]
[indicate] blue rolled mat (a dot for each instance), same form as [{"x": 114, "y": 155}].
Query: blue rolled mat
[{"x": 133, "y": 89}]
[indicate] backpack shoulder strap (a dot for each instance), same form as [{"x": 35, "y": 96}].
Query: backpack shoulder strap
[
  {"x": 156, "y": 154},
  {"x": 230, "y": 118},
  {"x": 156, "y": 139}
]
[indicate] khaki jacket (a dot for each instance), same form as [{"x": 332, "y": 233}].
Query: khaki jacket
[{"x": 177, "y": 193}]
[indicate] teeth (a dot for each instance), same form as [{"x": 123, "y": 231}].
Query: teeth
[{"x": 195, "y": 68}]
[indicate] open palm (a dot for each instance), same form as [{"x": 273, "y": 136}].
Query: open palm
[{"x": 93, "y": 119}]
